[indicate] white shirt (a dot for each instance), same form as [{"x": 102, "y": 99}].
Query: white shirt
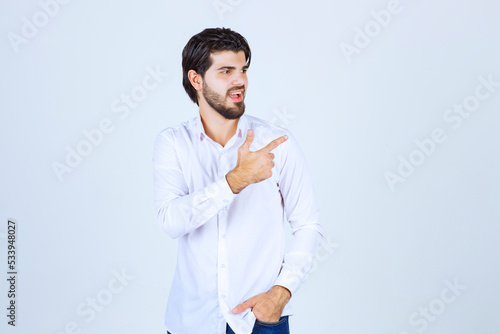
[{"x": 231, "y": 247}]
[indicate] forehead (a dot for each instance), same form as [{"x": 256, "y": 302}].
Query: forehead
[{"x": 228, "y": 58}]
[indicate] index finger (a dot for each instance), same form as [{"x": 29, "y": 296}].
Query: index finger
[{"x": 275, "y": 143}]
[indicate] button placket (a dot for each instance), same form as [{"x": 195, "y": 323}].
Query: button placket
[
  {"x": 222, "y": 247},
  {"x": 222, "y": 242},
  {"x": 221, "y": 323},
  {"x": 222, "y": 269},
  {"x": 222, "y": 162}
]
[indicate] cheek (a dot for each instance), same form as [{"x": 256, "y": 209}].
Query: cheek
[{"x": 219, "y": 89}]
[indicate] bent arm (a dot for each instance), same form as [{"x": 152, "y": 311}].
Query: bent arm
[
  {"x": 303, "y": 216},
  {"x": 178, "y": 211}
]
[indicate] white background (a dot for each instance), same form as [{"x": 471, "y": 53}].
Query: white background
[{"x": 355, "y": 117}]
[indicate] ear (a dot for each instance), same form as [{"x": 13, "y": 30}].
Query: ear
[{"x": 195, "y": 79}]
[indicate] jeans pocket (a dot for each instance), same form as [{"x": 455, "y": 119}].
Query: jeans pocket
[
  {"x": 279, "y": 327},
  {"x": 272, "y": 324}
]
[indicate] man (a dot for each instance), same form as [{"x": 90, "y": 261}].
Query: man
[{"x": 225, "y": 184}]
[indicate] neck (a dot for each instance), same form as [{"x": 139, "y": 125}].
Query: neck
[{"x": 218, "y": 128}]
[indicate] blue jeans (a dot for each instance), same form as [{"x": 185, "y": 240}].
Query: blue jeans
[{"x": 261, "y": 327}]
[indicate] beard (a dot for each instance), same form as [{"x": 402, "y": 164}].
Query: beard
[{"x": 219, "y": 103}]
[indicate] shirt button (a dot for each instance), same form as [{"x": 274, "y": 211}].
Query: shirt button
[
  {"x": 223, "y": 265},
  {"x": 223, "y": 296},
  {"x": 223, "y": 236}
]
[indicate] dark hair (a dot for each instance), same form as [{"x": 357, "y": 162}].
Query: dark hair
[{"x": 196, "y": 53}]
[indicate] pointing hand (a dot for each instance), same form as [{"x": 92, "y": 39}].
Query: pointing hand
[{"x": 252, "y": 167}]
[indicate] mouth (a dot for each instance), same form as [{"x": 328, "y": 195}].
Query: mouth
[{"x": 236, "y": 95}]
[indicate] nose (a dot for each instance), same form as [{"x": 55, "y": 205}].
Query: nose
[{"x": 239, "y": 79}]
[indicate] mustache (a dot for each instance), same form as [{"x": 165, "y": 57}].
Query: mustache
[{"x": 236, "y": 88}]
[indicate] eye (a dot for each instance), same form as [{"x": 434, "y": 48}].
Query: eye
[
  {"x": 225, "y": 72},
  {"x": 244, "y": 70}
]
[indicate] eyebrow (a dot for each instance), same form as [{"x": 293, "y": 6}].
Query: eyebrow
[{"x": 231, "y": 68}]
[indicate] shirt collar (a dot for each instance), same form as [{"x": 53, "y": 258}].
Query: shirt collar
[{"x": 240, "y": 130}]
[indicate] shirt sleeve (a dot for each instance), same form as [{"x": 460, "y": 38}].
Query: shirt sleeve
[
  {"x": 302, "y": 213},
  {"x": 178, "y": 211}
]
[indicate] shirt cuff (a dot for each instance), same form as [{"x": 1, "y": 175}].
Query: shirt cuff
[
  {"x": 289, "y": 279},
  {"x": 222, "y": 193}
]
